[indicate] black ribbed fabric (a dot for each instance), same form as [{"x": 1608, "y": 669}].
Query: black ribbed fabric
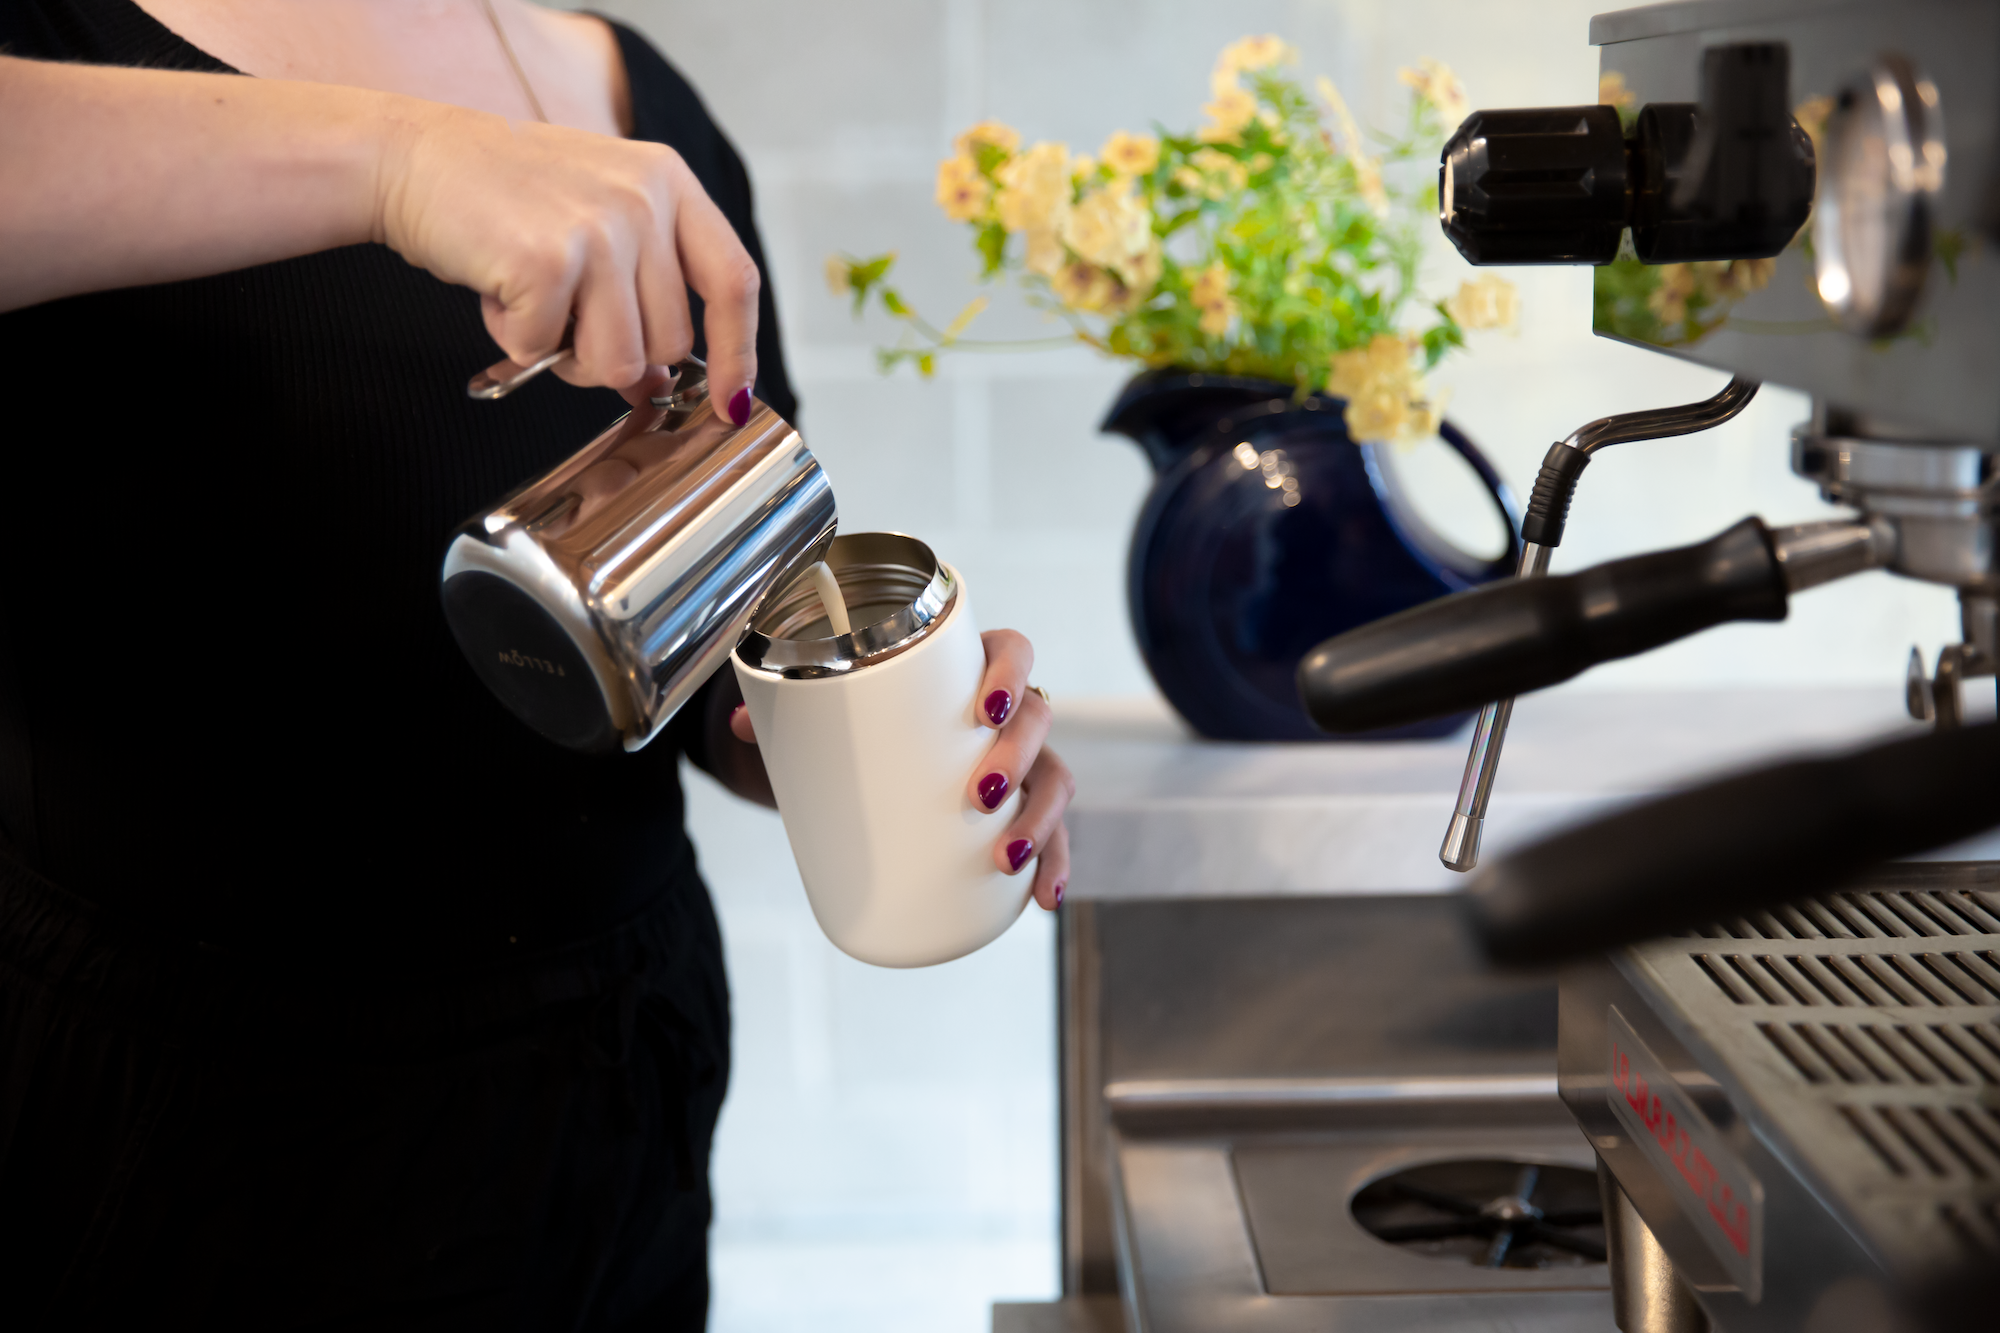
[
  {"x": 229, "y": 704},
  {"x": 201, "y": 1140}
]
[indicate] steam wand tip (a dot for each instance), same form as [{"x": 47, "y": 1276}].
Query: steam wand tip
[{"x": 1461, "y": 842}]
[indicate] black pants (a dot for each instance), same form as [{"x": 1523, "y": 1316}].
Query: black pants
[{"x": 196, "y": 1139}]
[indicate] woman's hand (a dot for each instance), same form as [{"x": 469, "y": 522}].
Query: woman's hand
[
  {"x": 119, "y": 174},
  {"x": 1019, "y": 759},
  {"x": 551, "y": 224},
  {"x": 1036, "y": 835}
]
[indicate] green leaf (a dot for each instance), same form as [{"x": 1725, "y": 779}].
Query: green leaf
[
  {"x": 892, "y": 302},
  {"x": 992, "y": 248}
]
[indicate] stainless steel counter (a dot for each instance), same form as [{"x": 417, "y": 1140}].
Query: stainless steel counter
[{"x": 1161, "y": 814}]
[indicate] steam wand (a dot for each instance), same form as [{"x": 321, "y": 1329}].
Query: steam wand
[{"x": 1541, "y": 533}]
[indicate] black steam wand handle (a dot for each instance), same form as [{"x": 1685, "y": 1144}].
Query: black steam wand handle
[
  {"x": 1524, "y": 634},
  {"x": 1746, "y": 842}
]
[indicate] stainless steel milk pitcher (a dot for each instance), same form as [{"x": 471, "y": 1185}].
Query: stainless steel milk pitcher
[{"x": 594, "y": 600}]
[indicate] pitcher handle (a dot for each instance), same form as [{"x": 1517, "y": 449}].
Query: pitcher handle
[{"x": 1503, "y": 564}]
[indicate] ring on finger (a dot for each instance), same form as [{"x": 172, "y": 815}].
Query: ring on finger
[{"x": 1036, "y": 689}]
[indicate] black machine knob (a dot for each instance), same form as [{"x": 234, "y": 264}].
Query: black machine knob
[
  {"x": 1535, "y": 185},
  {"x": 1728, "y": 178}
]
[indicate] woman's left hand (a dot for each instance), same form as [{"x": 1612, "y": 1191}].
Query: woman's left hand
[{"x": 1018, "y": 759}]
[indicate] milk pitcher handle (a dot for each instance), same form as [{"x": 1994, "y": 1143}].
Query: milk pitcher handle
[{"x": 689, "y": 382}]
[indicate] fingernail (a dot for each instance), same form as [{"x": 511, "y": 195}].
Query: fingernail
[
  {"x": 1018, "y": 852},
  {"x": 998, "y": 705},
  {"x": 993, "y": 790},
  {"x": 1061, "y": 884},
  {"x": 739, "y": 407}
]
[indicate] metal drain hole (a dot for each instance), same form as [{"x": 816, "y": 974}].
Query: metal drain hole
[{"x": 1493, "y": 1214}]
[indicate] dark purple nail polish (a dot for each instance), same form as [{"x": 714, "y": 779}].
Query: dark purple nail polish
[
  {"x": 998, "y": 705},
  {"x": 1018, "y": 852},
  {"x": 1061, "y": 884},
  {"x": 993, "y": 790},
  {"x": 739, "y": 407}
]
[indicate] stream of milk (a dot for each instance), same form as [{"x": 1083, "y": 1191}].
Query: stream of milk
[{"x": 830, "y": 597}]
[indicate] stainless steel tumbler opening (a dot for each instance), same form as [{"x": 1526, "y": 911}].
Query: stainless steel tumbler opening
[{"x": 895, "y": 588}]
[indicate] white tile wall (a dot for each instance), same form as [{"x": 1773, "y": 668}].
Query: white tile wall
[{"x": 917, "y": 1109}]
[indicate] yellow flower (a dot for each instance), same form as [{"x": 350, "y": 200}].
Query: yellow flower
[
  {"x": 1221, "y": 174},
  {"x": 838, "y": 280},
  {"x": 1131, "y": 154},
  {"x": 1082, "y": 166},
  {"x": 986, "y": 132},
  {"x": 1612, "y": 92},
  {"x": 1109, "y": 225},
  {"x": 1231, "y": 110},
  {"x": 1141, "y": 272},
  {"x": 1210, "y": 286},
  {"x": 1488, "y": 301},
  {"x": 1712, "y": 282},
  {"x": 1121, "y": 299},
  {"x": 1751, "y": 275},
  {"x": 1368, "y": 180},
  {"x": 961, "y": 191},
  {"x": 1045, "y": 251},
  {"x": 1436, "y": 84},
  {"x": 1082, "y": 286},
  {"x": 1256, "y": 53},
  {"x": 1034, "y": 188},
  {"x": 1209, "y": 292},
  {"x": 1384, "y": 391},
  {"x": 1669, "y": 300}
]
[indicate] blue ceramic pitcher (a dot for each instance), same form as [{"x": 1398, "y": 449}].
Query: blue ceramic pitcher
[{"x": 1268, "y": 530}]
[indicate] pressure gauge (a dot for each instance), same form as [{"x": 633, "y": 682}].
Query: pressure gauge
[{"x": 1883, "y": 173}]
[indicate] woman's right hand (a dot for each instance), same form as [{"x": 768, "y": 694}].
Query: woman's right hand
[
  {"x": 550, "y": 224},
  {"x": 122, "y": 177}
]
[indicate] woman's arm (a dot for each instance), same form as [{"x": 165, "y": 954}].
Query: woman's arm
[{"x": 119, "y": 177}]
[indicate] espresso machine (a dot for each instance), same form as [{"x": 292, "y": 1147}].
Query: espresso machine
[{"x": 1781, "y": 1037}]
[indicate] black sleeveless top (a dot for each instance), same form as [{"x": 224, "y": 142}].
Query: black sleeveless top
[{"x": 229, "y": 704}]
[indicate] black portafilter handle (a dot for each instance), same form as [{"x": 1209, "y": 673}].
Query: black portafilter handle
[
  {"x": 1511, "y": 637},
  {"x": 1754, "y": 840}
]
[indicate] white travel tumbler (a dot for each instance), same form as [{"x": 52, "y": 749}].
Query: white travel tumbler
[{"x": 871, "y": 739}]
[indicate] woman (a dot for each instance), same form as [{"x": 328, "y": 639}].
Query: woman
[{"x": 328, "y": 992}]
